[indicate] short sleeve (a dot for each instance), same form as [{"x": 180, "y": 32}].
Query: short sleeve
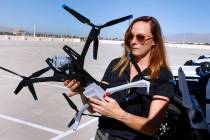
[
  {"x": 162, "y": 85},
  {"x": 108, "y": 72}
]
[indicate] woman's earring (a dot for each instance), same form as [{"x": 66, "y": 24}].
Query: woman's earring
[{"x": 153, "y": 43}]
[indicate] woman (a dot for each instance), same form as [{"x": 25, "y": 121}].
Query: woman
[{"x": 127, "y": 114}]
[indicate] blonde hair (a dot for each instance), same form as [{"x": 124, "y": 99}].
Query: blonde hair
[{"x": 158, "y": 55}]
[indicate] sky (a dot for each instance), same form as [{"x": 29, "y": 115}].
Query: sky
[{"x": 175, "y": 16}]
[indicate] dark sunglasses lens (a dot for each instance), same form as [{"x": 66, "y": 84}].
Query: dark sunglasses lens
[{"x": 140, "y": 38}]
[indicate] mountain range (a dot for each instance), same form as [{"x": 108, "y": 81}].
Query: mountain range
[
  {"x": 6, "y": 29},
  {"x": 178, "y": 38},
  {"x": 189, "y": 37}
]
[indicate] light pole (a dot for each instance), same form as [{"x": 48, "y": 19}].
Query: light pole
[{"x": 34, "y": 30}]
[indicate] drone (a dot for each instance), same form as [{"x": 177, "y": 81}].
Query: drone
[{"x": 71, "y": 66}]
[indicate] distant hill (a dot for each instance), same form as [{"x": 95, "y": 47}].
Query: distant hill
[
  {"x": 177, "y": 38},
  {"x": 5, "y": 29},
  {"x": 189, "y": 37}
]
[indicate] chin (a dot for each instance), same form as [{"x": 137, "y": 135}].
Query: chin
[{"x": 136, "y": 53}]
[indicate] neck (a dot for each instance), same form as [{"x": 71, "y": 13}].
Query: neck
[{"x": 143, "y": 61}]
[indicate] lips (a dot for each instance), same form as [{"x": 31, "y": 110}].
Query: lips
[{"x": 133, "y": 48}]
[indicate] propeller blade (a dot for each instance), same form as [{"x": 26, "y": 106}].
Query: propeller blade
[
  {"x": 19, "y": 87},
  {"x": 183, "y": 87},
  {"x": 11, "y": 72},
  {"x": 70, "y": 102},
  {"x": 40, "y": 72},
  {"x": 77, "y": 15},
  {"x": 33, "y": 92},
  {"x": 71, "y": 122},
  {"x": 95, "y": 48},
  {"x": 116, "y": 21}
]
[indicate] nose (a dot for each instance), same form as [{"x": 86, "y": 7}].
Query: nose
[{"x": 133, "y": 41}]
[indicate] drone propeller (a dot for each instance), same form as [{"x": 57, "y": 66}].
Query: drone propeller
[
  {"x": 73, "y": 106},
  {"x": 95, "y": 48},
  {"x": 20, "y": 86},
  {"x": 94, "y": 33},
  {"x": 110, "y": 23},
  {"x": 25, "y": 81},
  {"x": 70, "y": 102},
  {"x": 77, "y": 15},
  {"x": 30, "y": 87},
  {"x": 7, "y": 70},
  {"x": 32, "y": 90}
]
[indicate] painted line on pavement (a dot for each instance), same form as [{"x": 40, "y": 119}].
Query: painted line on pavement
[
  {"x": 71, "y": 131},
  {"x": 31, "y": 124}
]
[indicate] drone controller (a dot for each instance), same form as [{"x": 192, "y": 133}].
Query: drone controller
[{"x": 95, "y": 91}]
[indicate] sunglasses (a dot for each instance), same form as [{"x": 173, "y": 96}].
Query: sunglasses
[{"x": 139, "y": 37}]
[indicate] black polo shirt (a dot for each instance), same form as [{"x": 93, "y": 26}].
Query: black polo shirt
[{"x": 132, "y": 100}]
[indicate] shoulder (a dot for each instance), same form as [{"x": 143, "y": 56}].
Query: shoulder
[
  {"x": 162, "y": 85},
  {"x": 109, "y": 75},
  {"x": 165, "y": 74},
  {"x": 113, "y": 63}
]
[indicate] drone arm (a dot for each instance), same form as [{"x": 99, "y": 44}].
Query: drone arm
[
  {"x": 70, "y": 51},
  {"x": 84, "y": 51},
  {"x": 55, "y": 78},
  {"x": 40, "y": 72}
]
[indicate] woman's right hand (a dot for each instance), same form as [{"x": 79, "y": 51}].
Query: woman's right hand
[{"x": 74, "y": 86}]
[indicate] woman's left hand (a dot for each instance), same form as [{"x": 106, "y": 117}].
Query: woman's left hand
[{"x": 108, "y": 107}]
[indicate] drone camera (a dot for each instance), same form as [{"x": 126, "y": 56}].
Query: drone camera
[{"x": 62, "y": 64}]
